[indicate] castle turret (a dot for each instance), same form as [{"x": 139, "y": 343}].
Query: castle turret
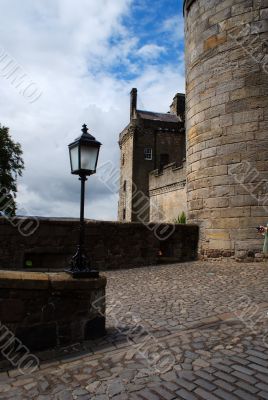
[{"x": 227, "y": 123}]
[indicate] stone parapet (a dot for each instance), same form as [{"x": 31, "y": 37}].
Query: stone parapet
[
  {"x": 167, "y": 192},
  {"x": 109, "y": 245},
  {"x": 40, "y": 311},
  {"x": 171, "y": 175}
]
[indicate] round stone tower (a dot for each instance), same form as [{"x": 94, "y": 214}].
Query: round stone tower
[{"x": 227, "y": 123}]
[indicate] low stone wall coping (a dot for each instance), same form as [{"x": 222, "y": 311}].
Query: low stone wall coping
[
  {"x": 43, "y": 281},
  {"x": 108, "y": 245},
  {"x": 48, "y": 310}
]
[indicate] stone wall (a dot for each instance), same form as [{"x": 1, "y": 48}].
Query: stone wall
[
  {"x": 227, "y": 122},
  {"x": 126, "y": 175},
  {"x": 167, "y": 193},
  {"x": 39, "y": 311},
  {"x": 109, "y": 245}
]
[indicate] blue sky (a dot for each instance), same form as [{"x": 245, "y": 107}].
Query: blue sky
[
  {"x": 84, "y": 57},
  {"x": 158, "y": 31}
]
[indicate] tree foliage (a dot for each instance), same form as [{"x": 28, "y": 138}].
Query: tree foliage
[{"x": 11, "y": 166}]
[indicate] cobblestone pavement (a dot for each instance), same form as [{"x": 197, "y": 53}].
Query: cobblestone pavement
[{"x": 188, "y": 331}]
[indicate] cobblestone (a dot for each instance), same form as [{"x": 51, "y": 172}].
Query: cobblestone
[{"x": 212, "y": 352}]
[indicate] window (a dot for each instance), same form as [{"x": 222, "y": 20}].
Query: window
[
  {"x": 125, "y": 186},
  {"x": 123, "y": 159},
  {"x": 148, "y": 153},
  {"x": 124, "y": 214}
]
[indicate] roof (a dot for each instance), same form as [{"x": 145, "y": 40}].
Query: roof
[{"x": 155, "y": 116}]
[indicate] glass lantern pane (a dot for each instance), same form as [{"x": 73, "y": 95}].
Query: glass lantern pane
[
  {"x": 89, "y": 157},
  {"x": 74, "y": 158}
]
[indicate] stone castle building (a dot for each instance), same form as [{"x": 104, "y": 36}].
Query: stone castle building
[
  {"x": 226, "y": 122},
  {"x": 152, "y": 182}
]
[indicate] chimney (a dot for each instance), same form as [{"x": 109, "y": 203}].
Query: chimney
[
  {"x": 178, "y": 106},
  {"x": 133, "y": 103}
]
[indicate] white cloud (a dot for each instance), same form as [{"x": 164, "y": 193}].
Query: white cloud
[
  {"x": 151, "y": 51},
  {"x": 155, "y": 82},
  {"x": 174, "y": 26},
  {"x": 65, "y": 47}
]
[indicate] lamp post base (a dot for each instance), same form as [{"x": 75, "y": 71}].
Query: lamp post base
[
  {"x": 79, "y": 266},
  {"x": 87, "y": 273}
]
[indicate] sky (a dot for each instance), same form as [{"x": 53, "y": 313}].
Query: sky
[{"x": 64, "y": 63}]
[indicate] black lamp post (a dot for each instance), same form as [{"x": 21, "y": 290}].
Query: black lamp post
[{"x": 84, "y": 153}]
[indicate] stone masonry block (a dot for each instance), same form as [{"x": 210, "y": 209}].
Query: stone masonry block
[
  {"x": 216, "y": 202},
  {"x": 218, "y": 234},
  {"x": 220, "y": 16},
  {"x": 222, "y": 190},
  {"x": 258, "y": 211},
  {"x": 264, "y": 14},
  {"x": 241, "y": 128},
  {"x": 225, "y": 223},
  {"x": 220, "y": 99},
  {"x": 248, "y": 116},
  {"x": 196, "y": 204},
  {"x": 209, "y": 152},
  {"x": 231, "y": 148},
  {"x": 235, "y": 212},
  {"x": 237, "y": 20},
  {"x": 212, "y": 31},
  {"x": 252, "y": 222},
  {"x": 245, "y": 92},
  {"x": 259, "y": 26},
  {"x": 243, "y": 200},
  {"x": 229, "y": 86},
  {"x": 226, "y": 159},
  {"x": 241, "y": 8},
  {"x": 214, "y": 41},
  {"x": 238, "y": 138},
  {"x": 215, "y": 111},
  {"x": 222, "y": 5}
]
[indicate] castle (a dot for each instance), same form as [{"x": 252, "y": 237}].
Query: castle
[
  {"x": 226, "y": 119},
  {"x": 152, "y": 181}
]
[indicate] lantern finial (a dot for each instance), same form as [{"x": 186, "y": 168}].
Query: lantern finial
[{"x": 84, "y": 128}]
